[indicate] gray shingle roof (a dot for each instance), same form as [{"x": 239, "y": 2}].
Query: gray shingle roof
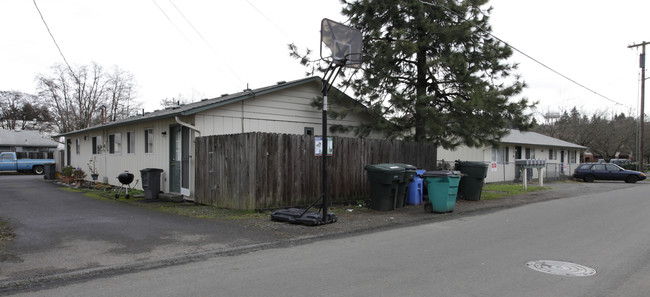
[
  {"x": 204, "y": 104},
  {"x": 533, "y": 138},
  {"x": 25, "y": 138}
]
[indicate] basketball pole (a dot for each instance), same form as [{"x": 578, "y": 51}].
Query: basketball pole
[{"x": 333, "y": 71}]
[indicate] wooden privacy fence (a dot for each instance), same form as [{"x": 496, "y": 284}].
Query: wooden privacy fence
[{"x": 262, "y": 170}]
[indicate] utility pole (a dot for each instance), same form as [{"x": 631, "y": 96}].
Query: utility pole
[{"x": 642, "y": 116}]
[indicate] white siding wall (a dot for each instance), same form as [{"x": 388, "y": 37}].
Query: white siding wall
[
  {"x": 505, "y": 171},
  {"x": 287, "y": 111},
  {"x": 462, "y": 153},
  {"x": 110, "y": 165}
]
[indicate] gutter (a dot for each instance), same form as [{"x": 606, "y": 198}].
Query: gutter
[{"x": 187, "y": 125}]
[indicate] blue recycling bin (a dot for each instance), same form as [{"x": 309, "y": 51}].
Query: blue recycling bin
[{"x": 416, "y": 187}]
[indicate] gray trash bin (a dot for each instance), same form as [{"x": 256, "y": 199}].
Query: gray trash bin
[
  {"x": 403, "y": 187},
  {"x": 384, "y": 184},
  {"x": 151, "y": 182},
  {"x": 49, "y": 171},
  {"x": 471, "y": 184}
]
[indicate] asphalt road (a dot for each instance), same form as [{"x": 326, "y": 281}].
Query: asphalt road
[{"x": 482, "y": 255}]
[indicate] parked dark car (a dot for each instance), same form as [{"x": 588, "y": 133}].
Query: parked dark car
[{"x": 606, "y": 171}]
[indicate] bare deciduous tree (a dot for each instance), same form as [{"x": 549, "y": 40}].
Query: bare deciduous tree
[
  {"x": 22, "y": 110},
  {"x": 605, "y": 135},
  {"x": 77, "y": 95}
]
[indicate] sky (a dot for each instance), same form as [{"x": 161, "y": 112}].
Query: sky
[{"x": 202, "y": 49}]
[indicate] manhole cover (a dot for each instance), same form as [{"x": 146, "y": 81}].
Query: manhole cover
[{"x": 561, "y": 268}]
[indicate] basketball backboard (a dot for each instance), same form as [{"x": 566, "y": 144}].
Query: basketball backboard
[{"x": 343, "y": 44}]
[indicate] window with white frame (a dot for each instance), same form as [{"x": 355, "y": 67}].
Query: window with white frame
[
  {"x": 572, "y": 157},
  {"x": 115, "y": 143},
  {"x": 552, "y": 154},
  {"x": 130, "y": 142},
  {"x": 97, "y": 145},
  {"x": 77, "y": 146},
  {"x": 148, "y": 141},
  {"x": 500, "y": 155}
]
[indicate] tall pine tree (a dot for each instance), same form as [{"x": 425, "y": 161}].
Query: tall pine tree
[{"x": 434, "y": 71}]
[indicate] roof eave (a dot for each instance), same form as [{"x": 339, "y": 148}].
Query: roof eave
[{"x": 249, "y": 94}]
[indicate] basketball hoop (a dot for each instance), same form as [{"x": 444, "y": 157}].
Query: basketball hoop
[{"x": 343, "y": 42}]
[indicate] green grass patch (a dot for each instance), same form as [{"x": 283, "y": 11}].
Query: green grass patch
[
  {"x": 74, "y": 190},
  {"x": 493, "y": 191},
  {"x": 188, "y": 209}
]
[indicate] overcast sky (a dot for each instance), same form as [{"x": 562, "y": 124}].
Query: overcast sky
[{"x": 202, "y": 49}]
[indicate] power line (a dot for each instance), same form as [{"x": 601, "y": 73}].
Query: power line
[
  {"x": 521, "y": 52},
  {"x": 55, "y": 43},
  {"x": 268, "y": 19},
  {"x": 190, "y": 41},
  {"x": 204, "y": 40}
]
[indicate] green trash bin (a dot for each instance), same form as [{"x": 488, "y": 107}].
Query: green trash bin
[
  {"x": 384, "y": 184},
  {"x": 403, "y": 186},
  {"x": 442, "y": 188},
  {"x": 471, "y": 184}
]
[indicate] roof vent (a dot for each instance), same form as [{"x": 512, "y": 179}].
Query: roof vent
[
  {"x": 204, "y": 99},
  {"x": 281, "y": 82},
  {"x": 224, "y": 95}
]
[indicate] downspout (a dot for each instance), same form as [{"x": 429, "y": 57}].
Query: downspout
[
  {"x": 187, "y": 125},
  {"x": 193, "y": 140}
]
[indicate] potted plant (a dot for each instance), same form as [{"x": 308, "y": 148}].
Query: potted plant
[
  {"x": 79, "y": 175},
  {"x": 66, "y": 174},
  {"x": 93, "y": 168}
]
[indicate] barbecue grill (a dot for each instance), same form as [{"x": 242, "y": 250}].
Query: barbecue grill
[{"x": 125, "y": 179}]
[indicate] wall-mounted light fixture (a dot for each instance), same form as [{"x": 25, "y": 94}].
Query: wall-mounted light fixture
[{"x": 164, "y": 133}]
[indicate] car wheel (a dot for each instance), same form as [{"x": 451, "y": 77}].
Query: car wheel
[
  {"x": 631, "y": 179},
  {"x": 589, "y": 178},
  {"x": 38, "y": 169}
]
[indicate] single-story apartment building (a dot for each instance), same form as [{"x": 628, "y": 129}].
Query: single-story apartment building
[
  {"x": 25, "y": 141},
  {"x": 561, "y": 157},
  {"x": 165, "y": 139}
]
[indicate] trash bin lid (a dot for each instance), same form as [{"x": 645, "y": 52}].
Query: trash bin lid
[
  {"x": 439, "y": 173},
  {"x": 151, "y": 170},
  {"x": 473, "y": 164},
  {"x": 384, "y": 167},
  {"x": 406, "y": 166}
]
